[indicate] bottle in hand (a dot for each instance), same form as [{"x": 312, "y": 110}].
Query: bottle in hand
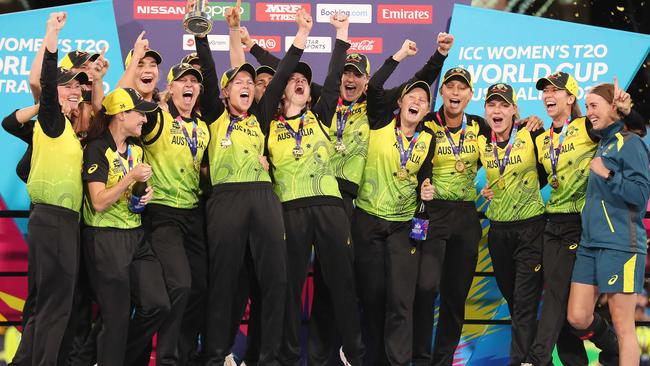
[{"x": 138, "y": 190}]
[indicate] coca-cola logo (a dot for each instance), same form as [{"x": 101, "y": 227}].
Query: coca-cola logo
[{"x": 366, "y": 44}]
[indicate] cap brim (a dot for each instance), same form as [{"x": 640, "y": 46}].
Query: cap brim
[
  {"x": 303, "y": 69},
  {"x": 503, "y": 97},
  {"x": 264, "y": 69},
  {"x": 81, "y": 76},
  {"x": 543, "y": 82},
  {"x": 460, "y": 77},
  {"x": 155, "y": 55},
  {"x": 418, "y": 84},
  {"x": 248, "y": 68},
  {"x": 145, "y": 107},
  {"x": 192, "y": 71},
  {"x": 92, "y": 57},
  {"x": 355, "y": 66}
]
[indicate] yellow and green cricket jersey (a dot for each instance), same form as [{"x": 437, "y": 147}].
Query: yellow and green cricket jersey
[
  {"x": 520, "y": 198},
  {"x": 450, "y": 184},
  {"x": 383, "y": 193},
  {"x": 102, "y": 164},
  {"x": 572, "y": 167},
  {"x": 55, "y": 174},
  {"x": 309, "y": 176},
  {"x": 175, "y": 178},
  {"x": 348, "y": 165},
  {"x": 238, "y": 162}
]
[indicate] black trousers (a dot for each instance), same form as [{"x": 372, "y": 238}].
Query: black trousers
[
  {"x": 124, "y": 274},
  {"x": 53, "y": 238},
  {"x": 386, "y": 262},
  {"x": 561, "y": 239},
  {"x": 448, "y": 263},
  {"x": 248, "y": 217},
  {"x": 324, "y": 339},
  {"x": 516, "y": 252},
  {"x": 327, "y": 228},
  {"x": 176, "y": 237}
]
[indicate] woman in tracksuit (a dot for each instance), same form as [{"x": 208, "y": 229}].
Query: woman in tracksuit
[
  {"x": 123, "y": 271},
  {"x": 243, "y": 213},
  {"x": 386, "y": 260},
  {"x": 516, "y": 214},
  {"x": 612, "y": 251}
]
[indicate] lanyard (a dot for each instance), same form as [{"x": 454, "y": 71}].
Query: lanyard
[
  {"x": 404, "y": 155},
  {"x": 459, "y": 149},
  {"x": 342, "y": 118},
  {"x": 296, "y": 135},
  {"x": 231, "y": 125},
  {"x": 502, "y": 164},
  {"x": 192, "y": 143},
  {"x": 554, "y": 153},
  {"x": 129, "y": 159}
]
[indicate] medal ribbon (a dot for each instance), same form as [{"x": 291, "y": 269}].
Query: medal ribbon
[
  {"x": 459, "y": 149},
  {"x": 231, "y": 126},
  {"x": 502, "y": 164},
  {"x": 554, "y": 153},
  {"x": 129, "y": 159},
  {"x": 192, "y": 143},
  {"x": 296, "y": 135},
  {"x": 342, "y": 118},
  {"x": 405, "y": 155}
]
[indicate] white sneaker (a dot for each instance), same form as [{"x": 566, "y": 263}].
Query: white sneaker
[
  {"x": 343, "y": 359},
  {"x": 230, "y": 360},
  {"x": 526, "y": 364}
]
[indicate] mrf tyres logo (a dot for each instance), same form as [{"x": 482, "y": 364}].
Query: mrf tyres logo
[
  {"x": 405, "y": 14},
  {"x": 174, "y": 10},
  {"x": 279, "y": 12}
]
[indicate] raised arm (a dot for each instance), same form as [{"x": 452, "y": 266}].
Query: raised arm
[
  {"x": 274, "y": 91},
  {"x": 233, "y": 18},
  {"x": 97, "y": 71},
  {"x": 140, "y": 47},
  {"x": 17, "y": 122},
  {"x": 51, "y": 118},
  {"x": 325, "y": 107}
]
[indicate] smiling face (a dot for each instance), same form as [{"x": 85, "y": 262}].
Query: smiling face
[
  {"x": 297, "y": 90},
  {"x": 456, "y": 94},
  {"x": 146, "y": 76},
  {"x": 414, "y": 105},
  {"x": 261, "y": 82},
  {"x": 557, "y": 101},
  {"x": 132, "y": 122},
  {"x": 353, "y": 84},
  {"x": 599, "y": 111},
  {"x": 70, "y": 94},
  {"x": 185, "y": 91},
  {"x": 239, "y": 93},
  {"x": 499, "y": 114}
]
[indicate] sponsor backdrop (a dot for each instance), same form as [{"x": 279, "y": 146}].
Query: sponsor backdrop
[{"x": 510, "y": 53}]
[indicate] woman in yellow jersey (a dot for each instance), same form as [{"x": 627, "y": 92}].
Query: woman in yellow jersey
[
  {"x": 386, "y": 260},
  {"x": 141, "y": 69},
  {"x": 243, "y": 212},
  {"x": 123, "y": 271},
  {"x": 298, "y": 146},
  {"x": 174, "y": 139},
  {"x": 55, "y": 189},
  {"x": 516, "y": 214},
  {"x": 613, "y": 244}
]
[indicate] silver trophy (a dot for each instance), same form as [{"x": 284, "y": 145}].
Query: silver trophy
[{"x": 197, "y": 21}]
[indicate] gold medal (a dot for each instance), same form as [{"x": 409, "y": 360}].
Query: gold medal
[
  {"x": 555, "y": 183},
  {"x": 339, "y": 146},
  {"x": 298, "y": 152},
  {"x": 501, "y": 183},
  {"x": 460, "y": 166},
  {"x": 402, "y": 174},
  {"x": 226, "y": 143}
]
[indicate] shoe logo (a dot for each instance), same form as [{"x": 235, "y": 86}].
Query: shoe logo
[
  {"x": 92, "y": 169},
  {"x": 573, "y": 246},
  {"x": 412, "y": 250},
  {"x": 612, "y": 280},
  {"x": 538, "y": 267}
]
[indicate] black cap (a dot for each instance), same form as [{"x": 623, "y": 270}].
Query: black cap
[
  {"x": 64, "y": 76},
  {"x": 458, "y": 73},
  {"x": 503, "y": 91},
  {"x": 265, "y": 69},
  {"x": 560, "y": 80},
  {"x": 303, "y": 69},
  {"x": 359, "y": 61},
  {"x": 177, "y": 71},
  {"x": 190, "y": 58},
  {"x": 148, "y": 53},
  {"x": 417, "y": 84},
  {"x": 229, "y": 74},
  {"x": 77, "y": 59}
]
